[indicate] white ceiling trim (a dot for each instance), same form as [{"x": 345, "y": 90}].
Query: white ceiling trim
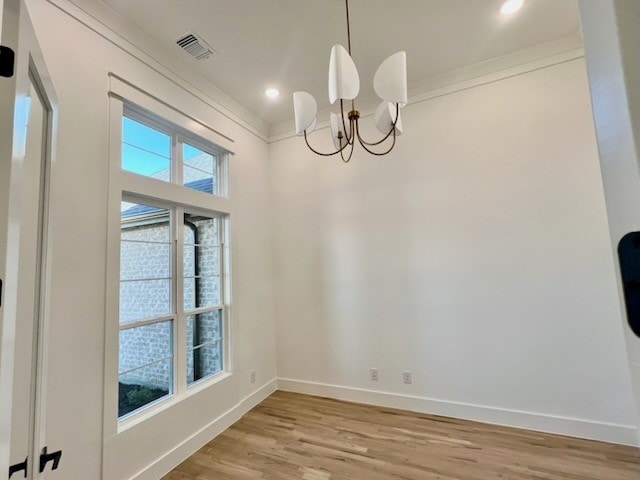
[
  {"x": 165, "y": 65},
  {"x": 455, "y": 84}
]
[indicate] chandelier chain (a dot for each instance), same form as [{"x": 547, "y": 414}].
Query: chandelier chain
[{"x": 348, "y": 28}]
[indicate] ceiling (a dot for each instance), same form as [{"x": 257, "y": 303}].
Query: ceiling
[{"x": 286, "y": 43}]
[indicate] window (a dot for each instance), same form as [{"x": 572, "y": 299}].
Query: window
[
  {"x": 147, "y": 149},
  {"x": 202, "y": 296},
  {"x": 172, "y": 310}
]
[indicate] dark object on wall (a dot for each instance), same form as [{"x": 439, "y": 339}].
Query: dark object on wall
[
  {"x": 629, "y": 257},
  {"x": 7, "y": 62}
]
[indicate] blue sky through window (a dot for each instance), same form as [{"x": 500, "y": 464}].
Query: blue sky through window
[
  {"x": 190, "y": 152},
  {"x": 144, "y": 150},
  {"x": 147, "y": 151}
]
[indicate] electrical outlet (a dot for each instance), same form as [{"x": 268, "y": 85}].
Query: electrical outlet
[
  {"x": 373, "y": 373},
  {"x": 253, "y": 376},
  {"x": 406, "y": 377}
]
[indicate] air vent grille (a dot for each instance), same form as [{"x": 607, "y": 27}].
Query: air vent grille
[{"x": 193, "y": 44}]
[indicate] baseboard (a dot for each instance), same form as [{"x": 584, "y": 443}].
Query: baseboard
[
  {"x": 573, "y": 427},
  {"x": 188, "y": 447},
  {"x": 606, "y": 432}
]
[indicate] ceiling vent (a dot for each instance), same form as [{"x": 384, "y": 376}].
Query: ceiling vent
[{"x": 194, "y": 45}]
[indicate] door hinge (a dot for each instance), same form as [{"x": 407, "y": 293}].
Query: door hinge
[
  {"x": 49, "y": 457},
  {"x": 18, "y": 467},
  {"x": 7, "y": 62}
]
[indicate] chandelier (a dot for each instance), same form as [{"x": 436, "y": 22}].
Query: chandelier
[{"x": 389, "y": 83}]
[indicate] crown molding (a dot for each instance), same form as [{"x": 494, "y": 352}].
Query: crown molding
[
  {"x": 104, "y": 21},
  {"x": 518, "y": 63}
]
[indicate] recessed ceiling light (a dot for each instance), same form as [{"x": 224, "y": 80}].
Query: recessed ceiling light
[
  {"x": 272, "y": 92},
  {"x": 511, "y": 6}
]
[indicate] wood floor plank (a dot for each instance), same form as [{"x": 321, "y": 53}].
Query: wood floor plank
[{"x": 300, "y": 437}]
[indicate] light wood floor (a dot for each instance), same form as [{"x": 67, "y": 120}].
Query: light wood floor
[{"x": 292, "y": 436}]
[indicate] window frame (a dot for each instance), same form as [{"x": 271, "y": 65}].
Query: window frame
[
  {"x": 179, "y": 137},
  {"x": 178, "y": 199}
]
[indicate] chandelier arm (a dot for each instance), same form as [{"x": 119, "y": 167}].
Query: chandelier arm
[
  {"x": 350, "y": 154},
  {"x": 320, "y": 153},
  {"x": 393, "y": 129},
  {"x": 344, "y": 125},
  {"x": 379, "y": 154}
]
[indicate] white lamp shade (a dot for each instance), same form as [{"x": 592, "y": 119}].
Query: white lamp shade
[
  {"x": 344, "y": 81},
  {"x": 337, "y": 126},
  {"x": 305, "y": 109},
  {"x": 390, "y": 81},
  {"x": 385, "y": 116}
]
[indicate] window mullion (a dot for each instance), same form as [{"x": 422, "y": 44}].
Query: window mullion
[
  {"x": 181, "y": 327},
  {"x": 176, "y": 160},
  {"x": 222, "y": 241}
]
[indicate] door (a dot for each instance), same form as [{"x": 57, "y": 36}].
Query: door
[
  {"x": 612, "y": 48},
  {"x": 26, "y": 135}
]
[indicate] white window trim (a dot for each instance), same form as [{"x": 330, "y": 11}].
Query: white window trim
[{"x": 123, "y": 184}]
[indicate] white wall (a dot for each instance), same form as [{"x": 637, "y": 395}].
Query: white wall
[
  {"x": 476, "y": 256},
  {"x": 79, "y": 61}
]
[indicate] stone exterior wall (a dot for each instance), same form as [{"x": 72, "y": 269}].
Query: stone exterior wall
[{"x": 141, "y": 299}]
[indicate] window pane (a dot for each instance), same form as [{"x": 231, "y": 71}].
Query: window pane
[
  {"x": 200, "y": 170},
  {"x": 201, "y": 262},
  {"x": 203, "y": 328},
  {"x": 145, "y": 365},
  {"x": 145, "y": 262},
  {"x": 145, "y": 163},
  {"x": 201, "y": 292},
  {"x": 137, "y": 214},
  {"x": 144, "y": 386},
  {"x": 204, "y": 361},
  {"x": 144, "y": 299},
  {"x": 140, "y": 346},
  {"x": 204, "y": 345},
  {"x": 206, "y": 230},
  {"x": 191, "y": 252},
  {"x": 145, "y": 151}
]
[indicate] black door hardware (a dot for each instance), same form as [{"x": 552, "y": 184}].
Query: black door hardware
[
  {"x": 629, "y": 256},
  {"x": 18, "y": 467},
  {"x": 7, "y": 62},
  {"x": 48, "y": 457}
]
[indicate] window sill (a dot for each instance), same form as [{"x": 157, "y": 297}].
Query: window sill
[{"x": 164, "y": 404}]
